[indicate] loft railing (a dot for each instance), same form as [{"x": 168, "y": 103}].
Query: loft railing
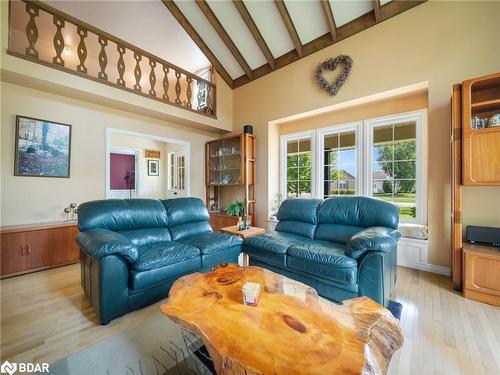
[{"x": 45, "y": 35}]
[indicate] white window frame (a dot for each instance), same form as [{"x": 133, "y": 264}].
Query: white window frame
[
  {"x": 421, "y": 162},
  {"x": 364, "y": 160},
  {"x": 339, "y": 129},
  {"x": 283, "y": 159}
]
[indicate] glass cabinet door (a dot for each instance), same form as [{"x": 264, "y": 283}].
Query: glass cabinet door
[{"x": 225, "y": 162}]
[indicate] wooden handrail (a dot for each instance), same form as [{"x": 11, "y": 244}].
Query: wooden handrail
[{"x": 33, "y": 7}]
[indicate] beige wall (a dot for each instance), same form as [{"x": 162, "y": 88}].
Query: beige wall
[
  {"x": 147, "y": 186},
  {"x": 439, "y": 42},
  {"x": 36, "y": 199},
  {"x": 379, "y": 108}
]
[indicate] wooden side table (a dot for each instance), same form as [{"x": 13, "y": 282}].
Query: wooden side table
[{"x": 250, "y": 232}]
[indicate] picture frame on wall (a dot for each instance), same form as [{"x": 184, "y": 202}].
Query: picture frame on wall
[
  {"x": 153, "y": 167},
  {"x": 43, "y": 148}
]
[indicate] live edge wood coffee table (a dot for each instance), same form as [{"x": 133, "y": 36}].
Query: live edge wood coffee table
[{"x": 291, "y": 331}]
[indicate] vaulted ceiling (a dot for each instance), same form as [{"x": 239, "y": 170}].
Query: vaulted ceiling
[{"x": 246, "y": 39}]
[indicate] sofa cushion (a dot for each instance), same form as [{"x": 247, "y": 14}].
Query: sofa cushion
[
  {"x": 149, "y": 278},
  {"x": 272, "y": 246},
  {"x": 147, "y": 236},
  {"x": 323, "y": 259},
  {"x": 212, "y": 242},
  {"x": 164, "y": 254},
  {"x": 121, "y": 214},
  {"x": 298, "y": 216},
  {"x": 187, "y": 217},
  {"x": 358, "y": 211}
]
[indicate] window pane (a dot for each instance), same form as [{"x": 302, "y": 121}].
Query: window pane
[
  {"x": 405, "y": 150},
  {"x": 382, "y": 170},
  {"x": 305, "y": 189},
  {"x": 304, "y": 145},
  {"x": 305, "y": 174},
  {"x": 407, "y": 130},
  {"x": 405, "y": 198},
  {"x": 339, "y": 172},
  {"x": 383, "y": 152},
  {"x": 404, "y": 169},
  {"x": 292, "y": 189},
  {"x": 382, "y": 134},
  {"x": 347, "y": 171},
  {"x": 331, "y": 157},
  {"x": 382, "y": 189},
  {"x": 292, "y": 147},
  {"x": 305, "y": 159},
  {"x": 292, "y": 160},
  {"x": 292, "y": 174}
]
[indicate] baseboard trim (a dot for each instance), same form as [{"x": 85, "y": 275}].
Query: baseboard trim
[{"x": 441, "y": 270}]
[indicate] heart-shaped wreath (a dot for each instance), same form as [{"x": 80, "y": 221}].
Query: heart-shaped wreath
[{"x": 331, "y": 64}]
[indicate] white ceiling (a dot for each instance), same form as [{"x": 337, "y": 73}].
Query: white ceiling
[
  {"x": 144, "y": 23},
  {"x": 150, "y": 25}
]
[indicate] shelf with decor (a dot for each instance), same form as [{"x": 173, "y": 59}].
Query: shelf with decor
[{"x": 230, "y": 171}]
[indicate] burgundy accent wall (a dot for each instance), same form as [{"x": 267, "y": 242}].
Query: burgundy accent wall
[{"x": 119, "y": 166}]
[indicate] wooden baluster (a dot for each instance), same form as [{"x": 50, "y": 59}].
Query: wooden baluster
[
  {"x": 189, "y": 91},
  {"x": 121, "y": 65},
  {"x": 82, "y": 49},
  {"x": 210, "y": 100},
  {"x": 58, "y": 41},
  {"x": 103, "y": 58},
  {"x": 31, "y": 30},
  {"x": 137, "y": 72},
  {"x": 166, "y": 84},
  {"x": 178, "y": 88},
  {"x": 152, "y": 77}
]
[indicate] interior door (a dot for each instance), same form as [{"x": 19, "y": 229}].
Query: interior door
[{"x": 177, "y": 174}]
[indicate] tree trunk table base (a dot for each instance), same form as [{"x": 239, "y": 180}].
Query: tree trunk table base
[{"x": 291, "y": 331}]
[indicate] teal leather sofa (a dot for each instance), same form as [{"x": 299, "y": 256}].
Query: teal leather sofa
[
  {"x": 343, "y": 247},
  {"x": 132, "y": 250}
]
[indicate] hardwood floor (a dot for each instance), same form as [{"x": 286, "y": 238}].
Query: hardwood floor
[{"x": 45, "y": 317}]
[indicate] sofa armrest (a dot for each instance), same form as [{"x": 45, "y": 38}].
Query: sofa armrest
[
  {"x": 372, "y": 239},
  {"x": 101, "y": 242}
]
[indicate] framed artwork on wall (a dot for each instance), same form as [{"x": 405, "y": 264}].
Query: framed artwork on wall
[
  {"x": 153, "y": 167},
  {"x": 43, "y": 148}
]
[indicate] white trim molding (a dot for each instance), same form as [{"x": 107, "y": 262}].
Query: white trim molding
[
  {"x": 414, "y": 253},
  {"x": 185, "y": 144}
]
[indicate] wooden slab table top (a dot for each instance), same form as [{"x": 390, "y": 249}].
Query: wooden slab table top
[
  {"x": 291, "y": 331},
  {"x": 250, "y": 232}
]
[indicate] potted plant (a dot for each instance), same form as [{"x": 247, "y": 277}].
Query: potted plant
[{"x": 236, "y": 208}]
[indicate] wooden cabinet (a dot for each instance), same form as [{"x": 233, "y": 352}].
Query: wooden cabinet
[
  {"x": 220, "y": 220},
  {"x": 230, "y": 168},
  {"x": 482, "y": 273},
  {"x": 30, "y": 248},
  {"x": 480, "y": 132}
]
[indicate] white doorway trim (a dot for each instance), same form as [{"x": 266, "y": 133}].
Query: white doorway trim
[{"x": 185, "y": 144}]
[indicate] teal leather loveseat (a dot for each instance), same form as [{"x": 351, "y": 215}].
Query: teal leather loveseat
[
  {"x": 343, "y": 247},
  {"x": 132, "y": 250}
]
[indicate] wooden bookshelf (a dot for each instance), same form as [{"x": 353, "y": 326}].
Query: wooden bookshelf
[{"x": 230, "y": 162}]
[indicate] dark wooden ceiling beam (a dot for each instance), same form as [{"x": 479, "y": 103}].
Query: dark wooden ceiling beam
[
  {"x": 211, "y": 17},
  {"x": 254, "y": 30},
  {"x": 198, "y": 40},
  {"x": 355, "y": 26},
  {"x": 376, "y": 10},
  {"x": 330, "y": 21},
  {"x": 289, "y": 26}
]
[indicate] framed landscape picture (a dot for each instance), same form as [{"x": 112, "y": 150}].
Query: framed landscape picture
[
  {"x": 153, "y": 167},
  {"x": 43, "y": 148}
]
